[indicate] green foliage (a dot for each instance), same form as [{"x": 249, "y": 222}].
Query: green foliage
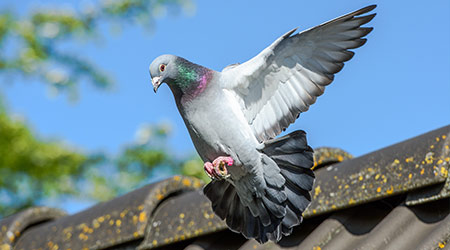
[
  {"x": 150, "y": 152},
  {"x": 194, "y": 167},
  {"x": 33, "y": 170},
  {"x": 37, "y": 37}
]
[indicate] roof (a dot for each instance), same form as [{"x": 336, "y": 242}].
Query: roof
[{"x": 394, "y": 198}]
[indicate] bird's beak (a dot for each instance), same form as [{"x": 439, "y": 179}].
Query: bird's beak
[{"x": 156, "y": 81}]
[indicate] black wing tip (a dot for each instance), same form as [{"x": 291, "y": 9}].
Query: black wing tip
[
  {"x": 368, "y": 18},
  {"x": 362, "y": 11},
  {"x": 365, "y": 9}
]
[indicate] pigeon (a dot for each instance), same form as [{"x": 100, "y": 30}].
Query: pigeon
[{"x": 260, "y": 184}]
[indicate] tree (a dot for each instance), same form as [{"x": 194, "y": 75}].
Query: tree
[{"x": 32, "y": 169}]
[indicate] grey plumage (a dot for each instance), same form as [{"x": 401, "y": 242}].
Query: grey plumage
[
  {"x": 284, "y": 204},
  {"x": 237, "y": 113}
]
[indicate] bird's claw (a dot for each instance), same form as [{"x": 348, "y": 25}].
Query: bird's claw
[{"x": 217, "y": 170}]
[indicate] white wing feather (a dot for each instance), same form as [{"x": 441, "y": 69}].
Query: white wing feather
[{"x": 275, "y": 86}]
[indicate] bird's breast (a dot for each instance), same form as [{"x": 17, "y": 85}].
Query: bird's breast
[{"x": 213, "y": 126}]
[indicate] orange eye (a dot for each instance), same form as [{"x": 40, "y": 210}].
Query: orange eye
[{"x": 162, "y": 67}]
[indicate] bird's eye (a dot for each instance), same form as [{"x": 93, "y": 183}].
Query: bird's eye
[{"x": 162, "y": 67}]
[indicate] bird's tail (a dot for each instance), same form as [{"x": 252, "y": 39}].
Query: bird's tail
[{"x": 294, "y": 158}]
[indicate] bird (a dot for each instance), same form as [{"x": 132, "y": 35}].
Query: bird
[{"x": 260, "y": 184}]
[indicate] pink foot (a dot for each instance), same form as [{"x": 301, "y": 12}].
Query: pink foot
[
  {"x": 209, "y": 169},
  {"x": 223, "y": 159},
  {"x": 218, "y": 169}
]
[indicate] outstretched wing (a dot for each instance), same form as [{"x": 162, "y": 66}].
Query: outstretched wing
[{"x": 275, "y": 86}]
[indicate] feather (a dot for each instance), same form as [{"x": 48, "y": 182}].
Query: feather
[{"x": 306, "y": 62}]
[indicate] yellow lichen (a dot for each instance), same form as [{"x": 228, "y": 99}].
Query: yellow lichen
[
  {"x": 187, "y": 182},
  {"x": 378, "y": 189},
  {"x": 83, "y": 236},
  {"x": 390, "y": 190},
  {"x": 197, "y": 184},
  {"x": 444, "y": 172},
  {"x": 409, "y": 159},
  {"x": 86, "y": 229},
  {"x": 5, "y": 247},
  {"x": 142, "y": 217},
  {"x": 317, "y": 191}
]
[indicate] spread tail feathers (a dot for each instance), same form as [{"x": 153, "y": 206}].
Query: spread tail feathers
[{"x": 294, "y": 159}]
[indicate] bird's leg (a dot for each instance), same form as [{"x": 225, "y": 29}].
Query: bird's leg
[
  {"x": 209, "y": 169},
  {"x": 217, "y": 170},
  {"x": 220, "y": 165}
]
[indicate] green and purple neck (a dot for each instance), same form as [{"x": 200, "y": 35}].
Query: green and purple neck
[{"x": 192, "y": 79}]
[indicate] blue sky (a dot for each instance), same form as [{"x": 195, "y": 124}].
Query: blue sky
[{"x": 397, "y": 85}]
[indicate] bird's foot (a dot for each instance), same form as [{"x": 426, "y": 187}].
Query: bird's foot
[{"x": 217, "y": 170}]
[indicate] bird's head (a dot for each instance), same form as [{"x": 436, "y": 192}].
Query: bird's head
[{"x": 163, "y": 69}]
